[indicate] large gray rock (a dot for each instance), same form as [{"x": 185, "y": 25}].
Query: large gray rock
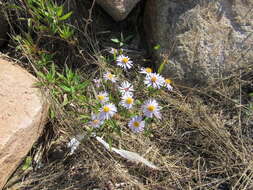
[
  {"x": 202, "y": 41},
  {"x": 23, "y": 113},
  {"x": 3, "y": 27},
  {"x": 118, "y": 9}
]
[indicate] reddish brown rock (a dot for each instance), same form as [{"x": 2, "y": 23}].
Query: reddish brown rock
[
  {"x": 118, "y": 9},
  {"x": 23, "y": 113}
]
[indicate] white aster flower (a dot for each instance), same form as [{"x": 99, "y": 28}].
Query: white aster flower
[
  {"x": 107, "y": 111},
  {"x": 151, "y": 108},
  {"x": 126, "y": 87},
  {"x": 154, "y": 80},
  {"x": 146, "y": 70},
  {"x": 103, "y": 97},
  {"x": 110, "y": 76},
  {"x": 95, "y": 121},
  {"x": 97, "y": 82},
  {"x": 127, "y": 101},
  {"x": 136, "y": 124},
  {"x": 167, "y": 84},
  {"x": 124, "y": 61}
]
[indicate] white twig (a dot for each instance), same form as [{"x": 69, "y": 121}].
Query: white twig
[{"x": 131, "y": 156}]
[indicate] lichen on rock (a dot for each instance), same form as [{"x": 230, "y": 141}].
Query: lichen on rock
[{"x": 203, "y": 40}]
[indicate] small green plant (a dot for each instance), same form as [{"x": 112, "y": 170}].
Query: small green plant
[
  {"x": 28, "y": 163},
  {"x": 157, "y": 47},
  {"x": 66, "y": 32},
  {"x": 45, "y": 60},
  {"x": 47, "y": 20},
  {"x": 47, "y": 16},
  {"x": 49, "y": 77},
  {"x": 122, "y": 41},
  {"x": 162, "y": 65},
  {"x": 65, "y": 87},
  {"x": 70, "y": 82},
  {"x": 26, "y": 44}
]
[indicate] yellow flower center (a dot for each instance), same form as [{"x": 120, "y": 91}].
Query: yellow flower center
[
  {"x": 125, "y": 60},
  {"x": 136, "y": 124},
  {"x": 151, "y": 108},
  {"x": 153, "y": 79},
  {"x": 168, "y": 81},
  {"x": 106, "y": 109},
  {"x": 110, "y": 75},
  {"x": 129, "y": 100},
  {"x": 148, "y": 70},
  {"x": 95, "y": 121},
  {"x": 101, "y": 98}
]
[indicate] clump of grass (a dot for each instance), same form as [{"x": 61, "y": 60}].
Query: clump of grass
[{"x": 47, "y": 18}]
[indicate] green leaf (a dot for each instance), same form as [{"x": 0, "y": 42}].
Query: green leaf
[
  {"x": 117, "y": 129},
  {"x": 65, "y": 101},
  {"x": 157, "y": 47},
  {"x": 52, "y": 114},
  {"x": 41, "y": 75},
  {"x": 82, "y": 116},
  {"x": 161, "y": 67},
  {"x": 80, "y": 86},
  {"x": 110, "y": 143},
  {"x": 42, "y": 28},
  {"x": 38, "y": 84},
  {"x": 138, "y": 102},
  {"x": 59, "y": 11},
  {"x": 85, "y": 84},
  {"x": 67, "y": 89},
  {"x": 72, "y": 89},
  {"x": 12, "y": 6},
  {"x": 66, "y": 32},
  {"x": 251, "y": 94},
  {"x": 66, "y": 16},
  {"x": 28, "y": 163},
  {"x": 115, "y": 40}
]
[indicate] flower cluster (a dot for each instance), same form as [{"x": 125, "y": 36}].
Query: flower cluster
[
  {"x": 155, "y": 80},
  {"x": 149, "y": 108}
]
